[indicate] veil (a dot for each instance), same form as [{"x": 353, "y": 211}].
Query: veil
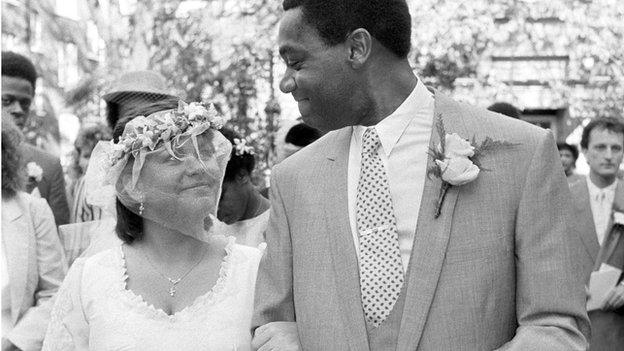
[{"x": 166, "y": 168}]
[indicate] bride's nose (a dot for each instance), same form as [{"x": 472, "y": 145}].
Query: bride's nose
[{"x": 195, "y": 166}]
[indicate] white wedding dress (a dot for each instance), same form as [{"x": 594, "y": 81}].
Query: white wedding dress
[{"x": 95, "y": 311}]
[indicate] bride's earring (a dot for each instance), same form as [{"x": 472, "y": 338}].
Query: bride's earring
[{"x": 141, "y": 206}]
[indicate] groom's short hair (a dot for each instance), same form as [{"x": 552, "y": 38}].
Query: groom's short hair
[
  {"x": 388, "y": 21},
  {"x": 612, "y": 124}
]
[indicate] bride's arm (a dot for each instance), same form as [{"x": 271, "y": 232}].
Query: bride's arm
[{"x": 68, "y": 329}]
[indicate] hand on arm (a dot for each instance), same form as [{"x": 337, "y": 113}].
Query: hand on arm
[{"x": 276, "y": 336}]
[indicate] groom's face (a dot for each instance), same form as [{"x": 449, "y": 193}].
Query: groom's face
[{"x": 317, "y": 75}]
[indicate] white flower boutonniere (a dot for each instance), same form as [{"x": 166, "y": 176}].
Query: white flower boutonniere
[
  {"x": 456, "y": 160},
  {"x": 34, "y": 171},
  {"x": 456, "y": 168}
]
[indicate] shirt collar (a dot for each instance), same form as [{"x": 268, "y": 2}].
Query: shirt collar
[
  {"x": 392, "y": 127},
  {"x": 594, "y": 190}
]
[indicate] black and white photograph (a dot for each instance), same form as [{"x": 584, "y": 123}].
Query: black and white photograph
[{"x": 312, "y": 175}]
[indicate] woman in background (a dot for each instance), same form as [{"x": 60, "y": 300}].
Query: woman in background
[
  {"x": 32, "y": 261},
  {"x": 87, "y": 138},
  {"x": 242, "y": 209}
]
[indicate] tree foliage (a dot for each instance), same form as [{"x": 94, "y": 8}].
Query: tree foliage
[{"x": 456, "y": 39}]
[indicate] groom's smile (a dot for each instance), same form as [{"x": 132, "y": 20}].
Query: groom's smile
[{"x": 318, "y": 74}]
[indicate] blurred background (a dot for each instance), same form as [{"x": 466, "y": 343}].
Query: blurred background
[{"x": 561, "y": 62}]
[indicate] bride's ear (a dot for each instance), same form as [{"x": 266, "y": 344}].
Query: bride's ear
[{"x": 359, "y": 43}]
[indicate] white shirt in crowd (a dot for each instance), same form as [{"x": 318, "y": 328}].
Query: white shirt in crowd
[
  {"x": 7, "y": 321},
  {"x": 601, "y": 201},
  {"x": 404, "y": 138}
]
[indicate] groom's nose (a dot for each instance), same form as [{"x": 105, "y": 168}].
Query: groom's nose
[{"x": 287, "y": 84}]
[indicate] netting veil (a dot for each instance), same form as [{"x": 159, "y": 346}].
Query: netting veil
[{"x": 167, "y": 167}]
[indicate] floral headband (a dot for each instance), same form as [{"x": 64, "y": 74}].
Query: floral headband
[
  {"x": 115, "y": 168},
  {"x": 169, "y": 130},
  {"x": 165, "y": 126},
  {"x": 161, "y": 129}
]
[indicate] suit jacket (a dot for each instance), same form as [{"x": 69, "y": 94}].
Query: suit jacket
[
  {"x": 492, "y": 271},
  {"x": 591, "y": 254},
  {"x": 52, "y": 185},
  {"x": 36, "y": 266},
  {"x": 607, "y": 326}
]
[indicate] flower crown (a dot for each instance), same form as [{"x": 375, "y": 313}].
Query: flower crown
[
  {"x": 241, "y": 148},
  {"x": 144, "y": 133}
]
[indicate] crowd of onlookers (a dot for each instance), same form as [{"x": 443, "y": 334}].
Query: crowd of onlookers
[{"x": 39, "y": 200}]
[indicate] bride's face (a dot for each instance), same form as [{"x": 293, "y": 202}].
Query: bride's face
[{"x": 185, "y": 189}]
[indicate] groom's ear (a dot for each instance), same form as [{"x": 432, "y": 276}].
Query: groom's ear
[{"x": 360, "y": 43}]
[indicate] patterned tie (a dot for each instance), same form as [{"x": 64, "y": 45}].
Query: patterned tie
[
  {"x": 601, "y": 196},
  {"x": 381, "y": 269}
]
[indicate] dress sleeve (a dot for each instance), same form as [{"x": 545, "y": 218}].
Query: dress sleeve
[{"x": 68, "y": 329}]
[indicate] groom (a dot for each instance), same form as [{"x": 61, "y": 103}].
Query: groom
[{"x": 367, "y": 249}]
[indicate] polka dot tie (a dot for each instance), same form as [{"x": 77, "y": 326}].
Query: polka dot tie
[{"x": 381, "y": 269}]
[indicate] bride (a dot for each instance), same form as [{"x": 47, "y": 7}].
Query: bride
[{"x": 170, "y": 285}]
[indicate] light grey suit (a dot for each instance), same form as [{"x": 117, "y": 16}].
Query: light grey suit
[
  {"x": 36, "y": 266},
  {"x": 493, "y": 271}
]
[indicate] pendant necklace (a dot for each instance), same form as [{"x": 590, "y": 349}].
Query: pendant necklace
[{"x": 172, "y": 281}]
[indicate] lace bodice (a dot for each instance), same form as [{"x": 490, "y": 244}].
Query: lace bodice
[{"x": 94, "y": 308}]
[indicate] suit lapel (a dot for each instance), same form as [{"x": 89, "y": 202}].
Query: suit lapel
[
  {"x": 431, "y": 239},
  {"x": 344, "y": 259},
  {"x": 14, "y": 239},
  {"x": 582, "y": 211}
]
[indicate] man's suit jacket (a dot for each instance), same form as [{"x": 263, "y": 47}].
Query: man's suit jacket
[
  {"x": 494, "y": 270},
  {"x": 585, "y": 227},
  {"x": 36, "y": 266},
  {"x": 52, "y": 184},
  {"x": 607, "y": 326}
]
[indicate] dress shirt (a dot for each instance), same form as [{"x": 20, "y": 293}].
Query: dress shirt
[
  {"x": 404, "y": 136},
  {"x": 601, "y": 201}
]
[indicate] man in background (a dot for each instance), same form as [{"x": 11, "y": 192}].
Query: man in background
[
  {"x": 599, "y": 202},
  {"x": 19, "y": 78}
]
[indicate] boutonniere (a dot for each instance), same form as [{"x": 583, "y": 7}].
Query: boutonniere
[
  {"x": 456, "y": 160},
  {"x": 34, "y": 171}
]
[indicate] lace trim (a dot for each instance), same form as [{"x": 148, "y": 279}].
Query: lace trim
[{"x": 214, "y": 295}]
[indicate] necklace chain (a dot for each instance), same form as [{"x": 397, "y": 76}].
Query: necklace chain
[{"x": 174, "y": 282}]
